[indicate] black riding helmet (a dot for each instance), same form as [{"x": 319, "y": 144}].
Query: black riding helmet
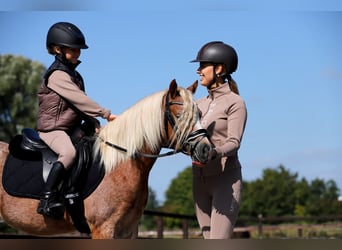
[
  {"x": 218, "y": 52},
  {"x": 65, "y": 34}
]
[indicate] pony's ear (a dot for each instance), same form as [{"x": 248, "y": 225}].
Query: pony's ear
[
  {"x": 193, "y": 87},
  {"x": 173, "y": 88}
]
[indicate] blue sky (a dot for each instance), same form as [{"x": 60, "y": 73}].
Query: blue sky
[{"x": 289, "y": 73}]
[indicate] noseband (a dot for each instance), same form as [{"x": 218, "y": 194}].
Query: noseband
[{"x": 188, "y": 145}]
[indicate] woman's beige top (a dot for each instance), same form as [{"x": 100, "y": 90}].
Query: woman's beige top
[{"x": 224, "y": 115}]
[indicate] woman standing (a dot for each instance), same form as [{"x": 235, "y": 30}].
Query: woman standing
[{"x": 217, "y": 186}]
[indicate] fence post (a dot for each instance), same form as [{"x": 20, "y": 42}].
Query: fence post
[
  {"x": 300, "y": 232},
  {"x": 185, "y": 228},
  {"x": 260, "y": 225},
  {"x": 160, "y": 227}
]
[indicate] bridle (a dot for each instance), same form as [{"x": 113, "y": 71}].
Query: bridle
[{"x": 168, "y": 118}]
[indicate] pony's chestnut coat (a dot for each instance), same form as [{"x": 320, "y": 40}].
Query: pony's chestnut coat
[{"x": 114, "y": 209}]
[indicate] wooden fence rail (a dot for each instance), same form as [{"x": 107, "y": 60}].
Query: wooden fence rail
[
  {"x": 243, "y": 222},
  {"x": 241, "y": 231}
]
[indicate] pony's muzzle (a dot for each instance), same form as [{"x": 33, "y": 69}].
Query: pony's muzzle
[
  {"x": 201, "y": 154},
  {"x": 198, "y": 146}
]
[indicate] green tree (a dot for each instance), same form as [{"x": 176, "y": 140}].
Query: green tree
[
  {"x": 279, "y": 193},
  {"x": 302, "y": 194},
  {"x": 272, "y": 195},
  {"x": 20, "y": 79},
  {"x": 323, "y": 199}
]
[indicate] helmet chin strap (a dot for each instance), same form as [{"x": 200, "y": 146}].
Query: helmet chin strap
[{"x": 61, "y": 57}]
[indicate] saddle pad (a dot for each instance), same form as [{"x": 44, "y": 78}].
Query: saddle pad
[
  {"x": 23, "y": 172},
  {"x": 23, "y": 178}
]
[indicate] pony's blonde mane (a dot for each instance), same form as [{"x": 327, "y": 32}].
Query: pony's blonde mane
[{"x": 142, "y": 125}]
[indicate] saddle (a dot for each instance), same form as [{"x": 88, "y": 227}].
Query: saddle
[{"x": 30, "y": 160}]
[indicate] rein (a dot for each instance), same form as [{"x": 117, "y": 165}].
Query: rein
[
  {"x": 167, "y": 118},
  {"x": 192, "y": 136},
  {"x": 139, "y": 153}
]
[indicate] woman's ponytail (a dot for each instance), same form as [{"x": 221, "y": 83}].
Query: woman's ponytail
[{"x": 233, "y": 85}]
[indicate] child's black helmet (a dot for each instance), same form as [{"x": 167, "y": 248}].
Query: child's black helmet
[
  {"x": 218, "y": 52},
  {"x": 65, "y": 34}
]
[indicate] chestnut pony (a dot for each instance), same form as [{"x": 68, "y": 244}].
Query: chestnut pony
[{"x": 166, "y": 119}]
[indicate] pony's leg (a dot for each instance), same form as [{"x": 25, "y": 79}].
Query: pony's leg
[
  {"x": 3, "y": 156},
  {"x": 104, "y": 231},
  {"x": 108, "y": 231}
]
